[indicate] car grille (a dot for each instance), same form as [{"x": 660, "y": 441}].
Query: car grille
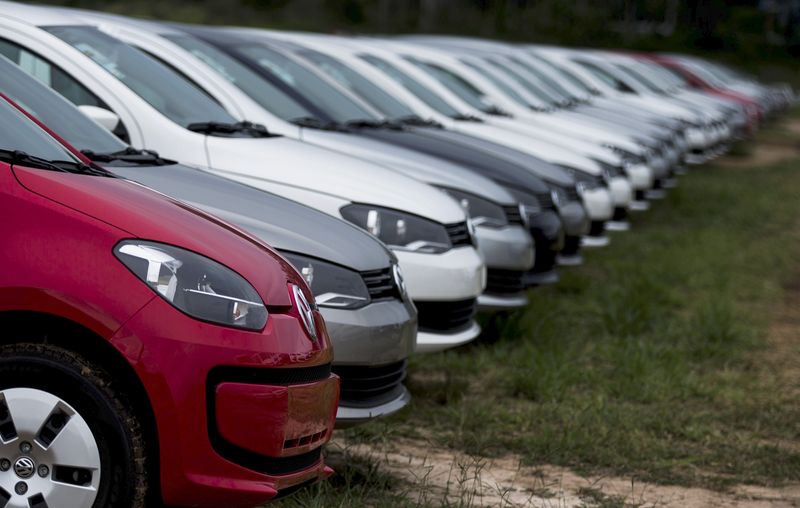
[
  {"x": 504, "y": 281},
  {"x": 445, "y": 316},
  {"x": 572, "y": 194},
  {"x": 545, "y": 200},
  {"x": 381, "y": 284},
  {"x": 620, "y": 214},
  {"x": 369, "y": 384},
  {"x": 513, "y": 215},
  {"x": 459, "y": 234}
]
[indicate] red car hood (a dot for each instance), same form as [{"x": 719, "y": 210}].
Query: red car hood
[{"x": 146, "y": 214}]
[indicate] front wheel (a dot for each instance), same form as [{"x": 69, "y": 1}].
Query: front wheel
[{"x": 67, "y": 439}]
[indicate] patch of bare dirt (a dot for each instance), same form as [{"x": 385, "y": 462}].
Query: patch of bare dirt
[{"x": 435, "y": 475}]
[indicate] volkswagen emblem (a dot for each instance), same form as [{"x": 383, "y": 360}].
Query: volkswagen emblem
[
  {"x": 306, "y": 312},
  {"x": 24, "y": 467},
  {"x": 399, "y": 280}
]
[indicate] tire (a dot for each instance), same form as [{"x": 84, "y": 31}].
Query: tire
[{"x": 41, "y": 382}]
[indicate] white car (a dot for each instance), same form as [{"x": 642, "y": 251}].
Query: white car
[
  {"x": 501, "y": 236},
  {"x": 427, "y": 230}
]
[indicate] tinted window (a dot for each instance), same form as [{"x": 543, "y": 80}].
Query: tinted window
[
  {"x": 52, "y": 76},
  {"x": 358, "y": 84},
  {"x": 18, "y": 132},
  {"x": 267, "y": 95},
  {"x": 499, "y": 83},
  {"x": 422, "y": 92},
  {"x": 340, "y": 107},
  {"x": 456, "y": 84},
  {"x": 55, "y": 111},
  {"x": 158, "y": 85}
]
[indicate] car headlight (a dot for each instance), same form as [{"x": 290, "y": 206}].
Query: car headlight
[
  {"x": 399, "y": 230},
  {"x": 482, "y": 212},
  {"x": 333, "y": 286},
  {"x": 194, "y": 284}
]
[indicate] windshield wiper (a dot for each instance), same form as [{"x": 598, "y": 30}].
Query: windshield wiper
[
  {"x": 466, "y": 118},
  {"x": 373, "y": 124},
  {"x": 415, "y": 121},
  {"x": 495, "y": 111},
  {"x": 312, "y": 122},
  {"x": 254, "y": 129},
  {"x": 20, "y": 158},
  {"x": 129, "y": 154}
]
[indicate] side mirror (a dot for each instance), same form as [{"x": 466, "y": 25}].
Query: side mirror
[{"x": 107, "y": 119}]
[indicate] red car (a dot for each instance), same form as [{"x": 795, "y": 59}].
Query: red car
[
  {"x": 149, "y": 353},
  {"x": 754, "y": 116}
]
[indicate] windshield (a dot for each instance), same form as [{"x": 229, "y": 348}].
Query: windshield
[
  {"x": 161, "y": 87},
  {"x": 322, "y": 94},
  {"x": 359, "y": 85},
  {"x": 421, "y": 91},
  {"x": 465, "y": 90},
  {"x": 639, "y": 78},
  {"x": 267, "y": 95},
  {"x": 55, "y": 111},
  {"x": 18, "y": 132},
  {"x": 605, "y": 76},
  {"x": 545, "y": 78},
  {"x": 564, "y": 73},
  {"x": 499, "y": 83},
  {"x": 538, "y": 91}
]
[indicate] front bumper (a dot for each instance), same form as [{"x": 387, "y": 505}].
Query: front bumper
[
  {"x": 429, "y": 341},
  {"x": 508, "y": 248},
  {"x": 366, "y": 339},
  {"x": 495, "y": 302},
  {"x": 380, "y": 333},
  {"x": 575, "y": 219},
  {"x": 641, "y": 176},
  {"x": 203, "y": 381},
  {"x": 598, "y": 203},
  {"x": 349, "y": 416},
  {"x": 547, "y": 232},
  {"x": 621, "y": 191},
  {"x": 457, "y": 274}
]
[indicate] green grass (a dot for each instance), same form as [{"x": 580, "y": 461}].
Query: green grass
[{"x": 646, "y": 362}]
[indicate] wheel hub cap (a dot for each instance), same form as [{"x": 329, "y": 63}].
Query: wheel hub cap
[{"x": 50, "y": 454}]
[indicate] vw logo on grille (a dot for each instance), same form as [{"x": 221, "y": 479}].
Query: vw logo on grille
[
  {"x": 306, "y": 312},
  {"x": 24, "y": 467},
  {"x": 399, "y": 280}
]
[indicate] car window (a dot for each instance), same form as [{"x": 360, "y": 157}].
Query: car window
[
  {"x": 158, "y": 85},
  {"x": 55, "y": 111},
  {"x": 605, "y": 77},
  {"x": 337, "y": 105},
  {"x": 267, "y": 95},
  {"x": 564, "y": 73},
  {"x": 358, "y": 84},
  {"x": 19, "y": 133},
  {"x": 534, "y": 88},
  {"x": 465, "y": 90},
  {"x": 499, "y": 83},
  {"x": 58, "y": 80},
  {"x": 421, "y": 91}
]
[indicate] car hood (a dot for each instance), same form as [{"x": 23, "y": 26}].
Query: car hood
[
  {"x": 473, "y": 153},
  {"x": 420, "y": 166},
  {"x": 142, "y": 213},
  {"x": 301, "y": 165},
  {"x": 281, "y": 223}
]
